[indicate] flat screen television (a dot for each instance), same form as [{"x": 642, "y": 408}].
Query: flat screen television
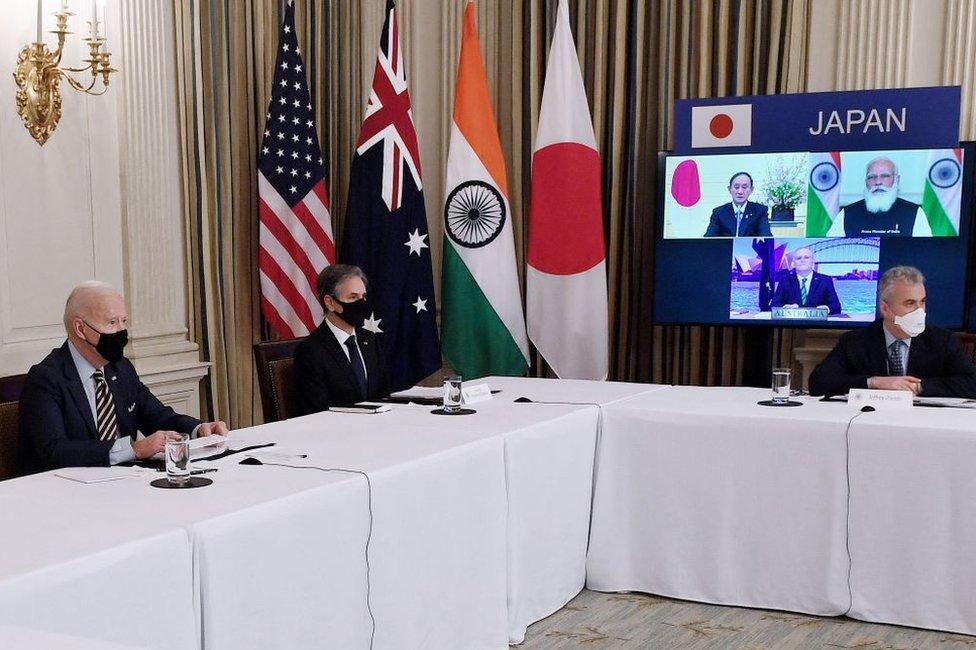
[{"x": 800, "y": 239}]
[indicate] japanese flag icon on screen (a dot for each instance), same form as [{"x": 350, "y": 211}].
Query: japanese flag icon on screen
[{"x": 726, "y": 125}]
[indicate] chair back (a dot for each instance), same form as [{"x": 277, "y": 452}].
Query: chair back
[
  {"x": 276, "y": 380},
  {"x": 10, "y": 390},
  {"x": 968, "y": 341}
]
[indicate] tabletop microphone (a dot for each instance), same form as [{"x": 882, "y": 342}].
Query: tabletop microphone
[{"x": 867, "y": 409}]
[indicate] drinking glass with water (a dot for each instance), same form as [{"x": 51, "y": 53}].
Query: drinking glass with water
[
  {"x": 178, "y": 460},
  {"x": 452, "y": 393},
  {"x": 781, "y": 385}
]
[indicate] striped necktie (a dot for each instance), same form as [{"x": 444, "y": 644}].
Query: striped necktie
[
  {"x": 803, "y": 291},
  {"x": 108, "y": 428},
  {"x": 738, "y": 222},
  {"x": 896, "y": 366}
]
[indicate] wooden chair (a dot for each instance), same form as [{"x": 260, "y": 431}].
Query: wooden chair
[
  {"x": 10, "y": 390},
  {"x": 275, "y": 379}
]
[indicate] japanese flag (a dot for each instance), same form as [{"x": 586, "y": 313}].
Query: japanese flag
[{"x": 727, "y": 125}]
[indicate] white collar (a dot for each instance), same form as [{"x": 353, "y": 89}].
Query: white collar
[
  {"x": 82, "y": 365},
  {"x": 890, "y": 338},
  {"x": 341, "y": 335}
]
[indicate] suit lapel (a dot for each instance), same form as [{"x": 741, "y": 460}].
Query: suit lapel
[
  {"x": 367, "y": 347},
  {"x": 77, "y": 391},
  {"x": 917, "y": 353},
  {"x": 337, "y": 352},
  {"x": 877, "y": 350}
]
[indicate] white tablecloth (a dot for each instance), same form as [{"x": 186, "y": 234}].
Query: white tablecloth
[
  {"x": 913, "y": 518},
  {"x": 76, "y": 560},
  {"x": 549, "y": 471},
  {"x": 19, "y": 638},
  {"x": 703, "y": 495},
  {"x": 292, "y": 572}
]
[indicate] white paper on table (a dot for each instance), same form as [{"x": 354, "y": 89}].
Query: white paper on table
[
  {"x": 96, "y": 474},
  {"x": 207, "y": 441},
  {"x": 956, "y": 402},
  {"x": 420, "y": 392}
]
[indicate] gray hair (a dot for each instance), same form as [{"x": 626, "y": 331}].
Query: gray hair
[
  {"x": 79, "y": 302},
  {"x": 906, "y": 274},
  {"x": 886, "y": 159},
  {"x": 332, "y": 276}
]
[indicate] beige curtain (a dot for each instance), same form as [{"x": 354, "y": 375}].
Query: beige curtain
[{"x": 637, "y": 57}]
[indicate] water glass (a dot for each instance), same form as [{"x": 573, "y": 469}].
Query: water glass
[
  {"x": 452, "y": 393},
  {"x": 178, "y": 460},
  {"x": 781, "y": 385}
]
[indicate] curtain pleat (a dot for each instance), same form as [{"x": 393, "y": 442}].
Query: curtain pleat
[{"x": 637, "y": 57}]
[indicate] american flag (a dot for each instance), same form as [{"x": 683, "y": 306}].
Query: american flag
[
  {"x": 386, "y": 221},
  {"x": 295, "y": 225}
]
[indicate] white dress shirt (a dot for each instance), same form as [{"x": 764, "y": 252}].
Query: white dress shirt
[
  {"x": 342, "y": 337},
  {"x": 121, "y": 451}
]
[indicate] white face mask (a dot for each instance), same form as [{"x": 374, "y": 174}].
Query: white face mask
[{"x": 913, "y": 322}]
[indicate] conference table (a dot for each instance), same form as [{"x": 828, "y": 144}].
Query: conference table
[
  {"x": 702, "y": 494},
  {"x": 479, "y": 525}
]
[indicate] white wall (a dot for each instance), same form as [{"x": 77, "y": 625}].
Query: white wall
[
  {"x": 99, "y": 200},
  {"x": 59, "y": 205}
]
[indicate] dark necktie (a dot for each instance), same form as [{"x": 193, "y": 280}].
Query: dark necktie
[
  {"x": 108, "y": 428},
  {"x": 357, "y": 365},
  {"x": 803, "y": 291},
  {"x": 896, "y": 366}
]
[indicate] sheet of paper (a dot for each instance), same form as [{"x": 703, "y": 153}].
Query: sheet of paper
[
  {"x": 206, "y": 441},
  {"x": 956, "y": 402},
  {"x": 96, "y": 474},
  {"x": 425, "y": 392}
]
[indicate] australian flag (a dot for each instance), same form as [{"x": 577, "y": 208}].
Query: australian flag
[{"x": 386, "y": 222}]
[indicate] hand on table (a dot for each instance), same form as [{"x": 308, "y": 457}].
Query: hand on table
[
  {"x": 153, "y": 444},
  {"x": 210, "y": 428},
  {"x": 896, "y": 383}
]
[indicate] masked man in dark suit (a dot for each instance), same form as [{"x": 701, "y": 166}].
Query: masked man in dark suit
[
  {"x": 84, "y": 403},
  {"x": 340, "y": 363},
  {"x": 804, "y": 287},
  {"x": 898, "y": 352},
  {"x": 740, "y": 218}
]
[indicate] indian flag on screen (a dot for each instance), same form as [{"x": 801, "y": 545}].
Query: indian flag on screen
[
  {"x": 943, "y": 190},
  {"x": 823, "y": 195}
]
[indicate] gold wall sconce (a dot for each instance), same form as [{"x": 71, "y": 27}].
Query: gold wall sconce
[{"x": 39, "y": 72}]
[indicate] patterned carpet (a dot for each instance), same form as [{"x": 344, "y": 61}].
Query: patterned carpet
[{"x": 597, "y": 620}]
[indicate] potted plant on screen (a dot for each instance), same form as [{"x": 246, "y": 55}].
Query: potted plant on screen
[{"x": 784, "y": 186}]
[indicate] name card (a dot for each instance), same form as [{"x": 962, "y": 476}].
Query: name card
[
  {"x": 881, "y": 400},
  {"x": 474, "y": 393},
  {"x": 800, "y": 313}
]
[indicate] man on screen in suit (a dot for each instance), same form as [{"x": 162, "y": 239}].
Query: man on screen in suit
[
  {"x": 340, "y": 363},
  {"x": 740, "y": 218},
  {"x": 898, "y": 351},
  {"x": 804, "y": 287},
  {"x": 881, "y": 211},
  {"x": 84, "y": 403}
]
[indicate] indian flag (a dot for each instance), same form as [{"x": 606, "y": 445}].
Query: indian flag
[
  {"x": 943, "y": 192},
  {"x": 823, "y": 193},
  {"x": 482, "y": 325}
]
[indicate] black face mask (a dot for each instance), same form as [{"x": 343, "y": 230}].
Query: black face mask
[
  {"x": 354, "y": 312},
  {"x": 110, "y": 344}
]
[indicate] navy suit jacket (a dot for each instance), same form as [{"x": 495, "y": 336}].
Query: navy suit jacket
[
  {"x": 935, "y": 357},
  {"x": 57, "y": 427},
  {"x": 820, "y": 291},
  {"x": 755, "y": 221},
  {"x": 324, "y": 376}
]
